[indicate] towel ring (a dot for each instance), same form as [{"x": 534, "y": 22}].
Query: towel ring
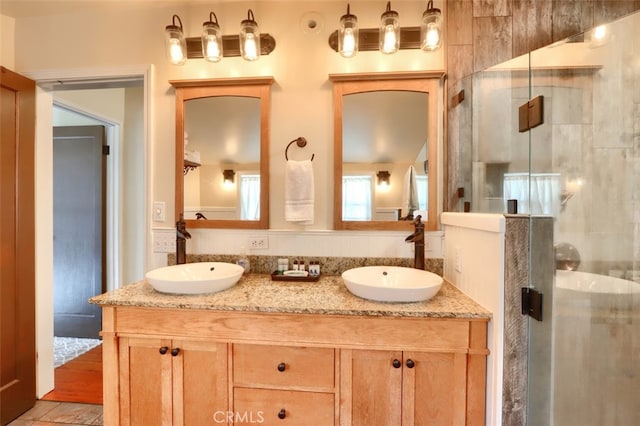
[{"x": 301, "y": 142}]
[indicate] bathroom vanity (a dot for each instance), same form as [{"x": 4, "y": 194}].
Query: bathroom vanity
[{"x": 299, "y": 353}]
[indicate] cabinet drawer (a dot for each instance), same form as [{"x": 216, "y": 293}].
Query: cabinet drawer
[
  {"x": 284, "y": 407},
  {"x": 283, "y": 366}
]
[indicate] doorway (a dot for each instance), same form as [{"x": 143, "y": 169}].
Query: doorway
[
  {"x": 79, "y": 195},
  {"x": 117, "y": 108}
]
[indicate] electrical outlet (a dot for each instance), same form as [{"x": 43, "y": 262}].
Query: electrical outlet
[
  {"x": 258, "y": 243},
  {"x": 458, "y": 260},
  {"x": 164, "y": 242}
]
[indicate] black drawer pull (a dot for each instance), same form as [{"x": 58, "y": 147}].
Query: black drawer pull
[
  {"x": 175, "y": 351},
  {"x": 282, "y": 414},
  {"x": 410, "y": 363},
  {"x": 164, "y": 350},
  {"x": 282, "y": 366},
  {"x": 396, "y": 363}
]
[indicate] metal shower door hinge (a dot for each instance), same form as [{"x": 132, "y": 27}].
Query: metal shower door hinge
[
  {"x": 531, "y": 114},
  {"x": 532, "y": 303}
]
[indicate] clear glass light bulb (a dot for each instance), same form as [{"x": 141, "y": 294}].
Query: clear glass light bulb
[
  {"x": 432, "y": 39},
  {"x": 250, "y": 49},
  {"x": 389, "y": 43},
  {"x": 213, "y": 50},
  {"x": 349, "y": 42},
  {"x": 175, "y": 51}
]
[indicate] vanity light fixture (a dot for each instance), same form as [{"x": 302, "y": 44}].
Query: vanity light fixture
[
  {"x": 349, "y": 39},
  {"x": 212, "y": 45},
  {"x": 175, "y": 42},
  {"x": 384, "y": 178},
  {"x": 389, "y": 31},
  {"x": 431, "y": 28},
  {"x": 348, "y": 34},
  {"x": 212, "y": 39},
  {"x": 249, "y": 38},
  {"x": 228, "y": 176}
]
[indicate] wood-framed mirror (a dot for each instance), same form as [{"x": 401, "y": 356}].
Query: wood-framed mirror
[
  {"x": 386, "y": 132},
  {"x": 222, "y": 152}
]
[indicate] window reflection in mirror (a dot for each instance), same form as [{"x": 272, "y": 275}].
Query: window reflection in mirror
[
  {"x": 386, "y": 122},
  {"x": 222, "y": 152},
  {"x": 384, "y": 131}
]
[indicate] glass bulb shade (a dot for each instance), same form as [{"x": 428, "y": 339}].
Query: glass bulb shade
[
  {"x": 431, "y": 30},
  {"x": 211, "y": 41},
  {"x": 249, "y": 40},
  {"x": 389, "y": 33},
  {"x": 176, "y": 45},
  {"x": 348, "y": 36}
]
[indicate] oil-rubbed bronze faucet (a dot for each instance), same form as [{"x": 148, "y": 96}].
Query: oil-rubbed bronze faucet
[
  {"x": 181, "y": 240},
  {"x": 417, "y": 238}
]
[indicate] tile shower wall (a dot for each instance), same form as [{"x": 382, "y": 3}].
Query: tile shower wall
[{"x": 511, "y": 28}]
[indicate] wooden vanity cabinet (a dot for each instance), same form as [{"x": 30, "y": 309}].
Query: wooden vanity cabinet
[
  {"x": 409, "y": 388},
  {"x": 290, "y": 384},
  {"x": 171, "y": 382},
  {"x": 193, "y": 367}
]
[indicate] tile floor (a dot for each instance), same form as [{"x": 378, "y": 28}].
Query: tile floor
[{"x": 50, "y": 413}]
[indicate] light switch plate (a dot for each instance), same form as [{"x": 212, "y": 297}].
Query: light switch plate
[{"x": 159, "y": 209}]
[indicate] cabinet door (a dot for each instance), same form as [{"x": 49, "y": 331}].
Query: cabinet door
[
  {"x": 145, "y": 382},
  {"x": 371, "y": 387},
  {"x": 199, "y": 383},
  {"x": 434, "y": 388}
]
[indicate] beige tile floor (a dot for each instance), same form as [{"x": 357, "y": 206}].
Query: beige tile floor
[{"x": 49, "y": 413}]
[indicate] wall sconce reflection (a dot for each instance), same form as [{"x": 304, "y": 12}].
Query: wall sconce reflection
[
  {"x": 384, "y": 178},
  {"x": 228, "y": 177}
]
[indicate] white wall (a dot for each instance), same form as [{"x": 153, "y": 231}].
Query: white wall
[
  {"x": 302, "y": 97},
  {"x": 129, "y": 35},
  {"x": 7, "y": 42},
  {"x": 474, "y": 262}
]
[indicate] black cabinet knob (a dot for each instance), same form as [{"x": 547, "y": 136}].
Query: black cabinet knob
[
  {"x": 175, "y": 351},
  {"x": 282, "y": 366},
  {"x": 282, "y": 414},
  {"x": 396, "y": 363},
  {"x": 164, "y": 350},
  {"x": 410, "y": 363}
]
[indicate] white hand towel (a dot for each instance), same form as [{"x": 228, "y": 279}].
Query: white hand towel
[{"x": 299, "y": 192}]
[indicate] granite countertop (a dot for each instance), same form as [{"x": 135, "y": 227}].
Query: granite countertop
[{"x": 329, "y": 296}]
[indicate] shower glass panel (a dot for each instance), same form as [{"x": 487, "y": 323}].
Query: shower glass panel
[
  {"x": 584, "y": 358},
  {"x": 577, "y": 177}
]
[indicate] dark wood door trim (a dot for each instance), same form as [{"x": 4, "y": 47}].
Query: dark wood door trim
[{"x": 17, "y": 247}]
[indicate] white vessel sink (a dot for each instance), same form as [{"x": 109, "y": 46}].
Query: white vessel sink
[
  {"x": 195, "y": 278},
  {"x": 392, "y": 283}
]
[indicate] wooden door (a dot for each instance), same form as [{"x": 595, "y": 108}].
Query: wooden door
[
  {"x": 371, "y": 387},
  {"x": 145, "y": 381},
  {"x": 79, "y": 194},
  {"x": 434, "y": 388},
  {"x": 17, "y": 245},
  {"x": 200, "y": 385}
]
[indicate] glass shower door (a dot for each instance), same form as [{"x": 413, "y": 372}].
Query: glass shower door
[{"x": 584, "y": 357}]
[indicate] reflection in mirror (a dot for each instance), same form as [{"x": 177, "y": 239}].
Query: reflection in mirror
[
  {"x": 385, "y": 123},
  {"x": 379, "y": 136},
  {"x": 222, "y": 163},
  {"x": 222, "y": 133}
]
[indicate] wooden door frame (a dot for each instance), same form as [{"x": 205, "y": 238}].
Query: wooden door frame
[{"x": 44, "y": 101}]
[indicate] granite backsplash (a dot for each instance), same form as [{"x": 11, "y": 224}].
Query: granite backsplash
[{"x": 328, "y": 265}]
